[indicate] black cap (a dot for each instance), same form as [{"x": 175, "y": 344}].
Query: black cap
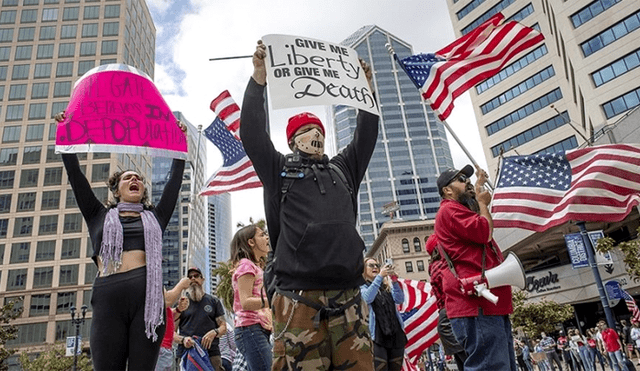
[
  {"x": 450, "y": 174},
  {"x": 194, "y": 269}
]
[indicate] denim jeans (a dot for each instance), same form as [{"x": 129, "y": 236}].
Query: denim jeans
[
  {"x": 593, "y": 353},
  {"x": 586, "y": 360},
  {"x": 617, "y": 361},
  {"x": 487, "y": 340},
  {"x": 253, "y": 342}
]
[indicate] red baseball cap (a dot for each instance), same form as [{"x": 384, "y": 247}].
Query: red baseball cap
[{"x": 300, "y": 120}]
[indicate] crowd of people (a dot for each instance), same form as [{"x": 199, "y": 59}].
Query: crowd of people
[{"x": 303, "y": 297}]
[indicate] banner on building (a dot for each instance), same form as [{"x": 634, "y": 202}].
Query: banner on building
[
  {"x": 309, "y": 72},
  {"x": 578, "y": 252},
  {"x": 614, "y": 292},
  {"x": 117, "y": 108}
]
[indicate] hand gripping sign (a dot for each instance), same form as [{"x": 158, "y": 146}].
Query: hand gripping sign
[
  {"x": 308, "y": 72},
  {"x": 117, "y": 108}
]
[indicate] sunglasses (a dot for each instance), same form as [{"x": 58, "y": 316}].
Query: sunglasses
[
  {"x": 192, "y": 276},
  {"x": 372, "y": 265},
  {"x": 462, "y": 178}
]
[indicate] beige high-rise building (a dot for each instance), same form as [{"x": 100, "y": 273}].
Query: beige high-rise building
[
  {"x": 45, "y": 250},
  {"x": 554, "y": 97}
]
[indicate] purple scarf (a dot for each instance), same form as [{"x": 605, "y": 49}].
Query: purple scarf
[{"x": 111, "y": 255}]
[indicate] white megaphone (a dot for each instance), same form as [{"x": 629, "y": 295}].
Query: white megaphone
[{"x": 509, "y": 273}]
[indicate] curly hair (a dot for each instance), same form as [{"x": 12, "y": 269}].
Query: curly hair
[
  {"x": 240, "y": 248},
  {"x": 113, "y": 182}
]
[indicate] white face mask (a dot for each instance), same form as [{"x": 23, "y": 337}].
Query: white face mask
[{"x": 310, "y": 142}]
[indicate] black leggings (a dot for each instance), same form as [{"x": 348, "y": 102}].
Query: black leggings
[
  {"x": 387, "y": 358},
  {"x": 117, "y": 329}
]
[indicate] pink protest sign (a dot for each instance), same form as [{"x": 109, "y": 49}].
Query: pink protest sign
[{"x": 117, "y": 108}]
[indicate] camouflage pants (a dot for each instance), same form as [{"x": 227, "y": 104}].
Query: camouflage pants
[{"x": 339, "y": 343}]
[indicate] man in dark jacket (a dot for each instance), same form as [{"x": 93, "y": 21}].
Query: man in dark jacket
[{"x": 319, "y": 320}]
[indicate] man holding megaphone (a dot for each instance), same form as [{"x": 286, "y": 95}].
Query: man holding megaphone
[{"x": 479, "y": 316}]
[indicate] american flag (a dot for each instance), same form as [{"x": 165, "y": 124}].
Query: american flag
[
  {"x": 446, "y": 74},
  {"x": 236, "y": 172},
  {"x": 537, "y": 192},
  {"x": 420, "y": 314},
  {"x": 631, "y": 305},
  {"x": 226, "y": 108}
]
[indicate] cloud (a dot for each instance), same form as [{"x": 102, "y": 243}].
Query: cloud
[{"x": 159, "y": 6}]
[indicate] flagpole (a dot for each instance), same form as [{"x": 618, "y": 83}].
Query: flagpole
[
  {"x": 596, "y": 275},
  {"x": 191, "y": 198}
]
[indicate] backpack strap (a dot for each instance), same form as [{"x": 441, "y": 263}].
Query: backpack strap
[{"x": 354, "y": 198}]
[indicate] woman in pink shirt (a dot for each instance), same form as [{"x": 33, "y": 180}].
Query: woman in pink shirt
[{"x": 249, "y": 247}]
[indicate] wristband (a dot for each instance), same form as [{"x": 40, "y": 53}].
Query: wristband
[{"x": 217, "y": 332}]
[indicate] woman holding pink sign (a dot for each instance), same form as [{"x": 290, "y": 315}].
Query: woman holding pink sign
[{"x": 127, "y": 299}]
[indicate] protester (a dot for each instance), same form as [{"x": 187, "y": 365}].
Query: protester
[
  {"x": 166, "y": 357},
  {"x": 613, "y": 346},
  {"x": 541, "y": 359},
  {"x": 517, "y": 347},
  {"x": 447, "y": 338},
  {"x": 579, "y": 345},
  {"x": 526, "y": 356},
  {"x": 635, "y": 337},
  {"x": 549, "y": 346},
  {"x": 592, "y": 347},
  {"x": 385, "y": 322},
  {"x": 565, "y": 348},
  {"x": 127, "y": 299},
  {"x": 319, "y": 319},
  {"x": 249, "y": 247},
  {"x": 466, "y": 238},
  {"x": 228, "y": 348},
  {"x": 204, "y": 318}
]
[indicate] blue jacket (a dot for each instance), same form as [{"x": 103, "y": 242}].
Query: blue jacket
[{"x": 369, "y": 292}]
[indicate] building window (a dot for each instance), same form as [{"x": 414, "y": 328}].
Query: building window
[
  {"x": 31, "y": 155},
  {"x": 524, "y": 111},
  {"x": 72, "y": 223},
  {"x": 26, "y": 34},
  {"x": 102, "y": 194},
  {"x": 90, "y": 30},
  {"x": 17, "y": 92},
  {"x": 37, "y": 111},
  {"x": 417, "y": 246},
  {"x": 6, "y": 35},
  {"x": 34, "y": 333},
  {"x": 88, "y": 48},
  {"x": 91, "y": 12},
  {"x": 23, "y": 53},
  {"x": 45, "y": 251},
  {"x": 110, "y": 28},
  {"x": 420, "y": 265},
  {"x": 611, "y": 34},
  {"x": 52, "y": 176},
  {"x": 45, "y": 51},
  {"x": 20, "y": 252},
  {"x": 590, "y": 11},
  {"x": 70, "y": 249},
  {"x": 405, "y": 246},
  {"x": 3, "y": 72},
  {"x": 9, "y": 2},
  {"x": 408, "y": 266},
  {"x": 50, "y": 15},
  {"x": 11, "y": 134},
  {"x": 26, "y": 201},
  {"x": 531, "y": 134},
  {"x": 622, "y": 103},
  {"x": 66, "y": 50},
  {"x": 47, "y": 33},
  {"x": 8, "y": 17},
  {"x": 616, "y": 68},
  {"x": 59, "y": 107},
  {"x": 468, "y": 8},
  {"x": 68, "y": 275},
  {"x": 20, "y": 72},
  {"x": 5, "y": 53},
  {"x": 85, "y": 66},
  {"x": 100, "y": 172},
  {"x": 48, "y": 225},
  {"x": 112, "y": 11},
  {"x": 31, "y": 2},
  {"x": 39, "y": 90},
  {"x": 4, "y": 227},
  {"x": 17, "y": 279},
  {"x": 52, "y": 156},
  {"x": 50, "y": 200},
  {"x": 6, "y": 178},
  {"x": 29, "y": 16},
  {"x": 563, "y": 145},
  {"x": 90, "y": 273},
  {"x": 502, "y": 4},
  {"x": 42, "y": 71},
  {"x": 40, "y": 305},
  {"x": 29, "y": 178},
  {"x": 70, "y": 14},
  {"x": 23, "y": 226},
  {"x": 70, "y": 202},
  {"x": 64, "y": 69},
  {"x": 69, "y": 31},
  {"x": 512, "y": 68},
  {"x": 35, "y": 132},
  {"x": 109, "y": 47},
  {"x": 517, "y": 90},
  {"x": 5, "y": 207},
  {"x": 66, "y": 300},
  {"x": 42, "y": 277},
  {"x": 8, "y": 156}
]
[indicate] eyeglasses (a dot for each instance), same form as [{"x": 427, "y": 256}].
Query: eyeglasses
[
  {"x": 196, "y": 276},
  {"x": 372, "y": 265},
  {"x": 462, "y": 178}
]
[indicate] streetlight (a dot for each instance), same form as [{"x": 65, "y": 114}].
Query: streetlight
[{"x": 77, "y": 321}]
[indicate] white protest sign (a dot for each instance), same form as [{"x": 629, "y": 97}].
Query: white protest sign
[{"x": 309, "y": 72}]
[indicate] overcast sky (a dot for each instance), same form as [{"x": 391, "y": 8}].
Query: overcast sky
[{"x": 189, "y": 32}]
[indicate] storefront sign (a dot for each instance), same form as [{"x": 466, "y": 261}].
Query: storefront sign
[{"x": 540, "y": 284}]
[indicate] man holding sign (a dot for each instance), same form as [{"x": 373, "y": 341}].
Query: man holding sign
[{"x": 310, "y": 205}]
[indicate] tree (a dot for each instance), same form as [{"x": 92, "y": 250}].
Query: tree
[
  {"x": 536, "y": 317},
  {"x": 54, "y": 359},
  {"x": 8, "y": 332},
  {"x": 630, "y": 249}
]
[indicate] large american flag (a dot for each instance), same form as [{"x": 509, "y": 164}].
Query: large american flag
[
  {"x": 537, "y": 192},
  {"x": 420, "y": 314},
  {"x": 631, "y": 305},
  {"x": 482, "y": 53},
  {"x": 237, "y": 171}
]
